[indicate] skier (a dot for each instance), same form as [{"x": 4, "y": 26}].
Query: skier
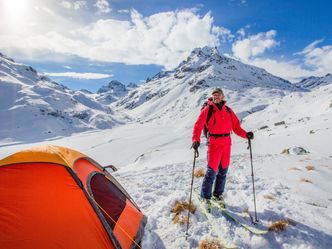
[{"x": 220, "y": 120}]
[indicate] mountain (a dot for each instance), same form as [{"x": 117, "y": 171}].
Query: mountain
[
  {"x": 313, "y": 82},
  {"x": 113, "y": 91},
  {"x": 32, "y": 101},
  {"x": 182, "y": 91},
  {"x": 33, "y": 106}
]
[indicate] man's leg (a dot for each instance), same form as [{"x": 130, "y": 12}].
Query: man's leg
[
  {"x": 209, "y": 177},
  {"x": 214, "y": 152},
  {"x": 220, "y": 181},
  {"x": 222, "y": 171}
]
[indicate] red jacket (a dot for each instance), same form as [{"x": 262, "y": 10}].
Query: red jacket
[{"x": 221, "y": 122}]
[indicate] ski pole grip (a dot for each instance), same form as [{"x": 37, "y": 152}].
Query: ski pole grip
[{"x": 196, "y": 154}]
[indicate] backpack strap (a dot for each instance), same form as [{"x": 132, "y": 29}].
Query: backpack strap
[
  {"x": 205, "y": 129},
  {"x": 209, "y": 115},
  {"x": 228, "y": 109}
]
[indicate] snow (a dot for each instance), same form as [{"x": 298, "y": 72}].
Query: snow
[
  {"x": 29, "y": 101},
  {"x": 111, "y": 92},
  {"x": 150, "y": 145},
  {"x": 314, "y": 82},
  {"x": 155, "y": 168}
]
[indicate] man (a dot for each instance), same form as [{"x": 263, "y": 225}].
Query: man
[{"x": 222, "y": 120}]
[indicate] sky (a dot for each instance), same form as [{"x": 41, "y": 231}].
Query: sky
[{"x": 87, "y": 43}]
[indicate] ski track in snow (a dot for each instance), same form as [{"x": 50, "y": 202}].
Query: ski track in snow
[{"x": 156, "y": 190}]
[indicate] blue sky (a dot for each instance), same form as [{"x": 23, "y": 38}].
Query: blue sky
[{"x": 87, "y": 43}]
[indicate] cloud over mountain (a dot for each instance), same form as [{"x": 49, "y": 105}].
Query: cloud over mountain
[{"x": 164, "y": 38}]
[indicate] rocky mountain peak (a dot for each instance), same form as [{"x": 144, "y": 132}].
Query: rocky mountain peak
[
  {"x": 113, "y": 86},
  {"x": 131, "y": 85},
  {"x": 200, "y": 55},
  {"x": 205, "y": 52},
  {"x": 313, "y": 81}
]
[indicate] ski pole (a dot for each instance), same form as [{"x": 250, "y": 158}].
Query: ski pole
[
  {"x": 253, "y": 182},
  {"x": 196, "y": 155}
]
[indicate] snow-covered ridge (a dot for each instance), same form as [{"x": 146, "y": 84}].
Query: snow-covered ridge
[
  {"x": 181, "y": 92},
  {"x": 31, "y": 105},
  {"x": 297, "y": 108},
  {"x": 313, "y": 82},
  {"x": 171, "y": 96},
  {"x": 229, "y": 72},
  {"x": 113, "y": 91}
]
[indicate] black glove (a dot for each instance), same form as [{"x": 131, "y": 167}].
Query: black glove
[
  {"x": 250, "y": 135},
  {"x": 195, "y": 145}
]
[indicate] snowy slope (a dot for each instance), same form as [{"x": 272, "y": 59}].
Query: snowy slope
[
  {"x": 31, "y": 102},
  {"x": 155, "y": 167},
  {"x": 313, "y": 82},
  {"x": 155, "y": 160}
]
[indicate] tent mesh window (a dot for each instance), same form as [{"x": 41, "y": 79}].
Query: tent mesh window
[{"x": 109, "y": 197}]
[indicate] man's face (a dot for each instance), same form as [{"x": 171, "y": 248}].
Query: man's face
[{"x": 217, "y": 97}]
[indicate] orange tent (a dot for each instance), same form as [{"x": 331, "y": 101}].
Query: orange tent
[{"x": 55, "y": 197}]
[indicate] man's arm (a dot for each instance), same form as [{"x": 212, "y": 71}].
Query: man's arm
[
  {"x": 199, "y": 124},
  {"x": 237, "y": 126}
]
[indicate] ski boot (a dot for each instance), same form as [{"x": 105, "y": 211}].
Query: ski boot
[
  {"x": 207, "y": 204},
  {"x": 219, "y": 199}
]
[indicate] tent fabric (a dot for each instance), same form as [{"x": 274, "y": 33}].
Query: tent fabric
[
  {"x": 34, "y": 197},
  {"x": 55, "y": 197},
  {"x": 129, "y": 221},
  {"x": 83, "y": 168},
  {"x": 46, "y": 153}
]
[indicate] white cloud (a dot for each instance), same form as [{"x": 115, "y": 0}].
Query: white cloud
[
  {"x": 87, "y": 76},
  {"x": 73, "y": 5},
  {"x": 103, "y": 6},
  {"x": 312, "y": 61},
  {"x": 66, "y": 4},
  {"x": 164, "y": 38},
  {"x": 290, "y": 70},
  {"x": 79, "y": 4},
  {"x": 318, "y": 58},
  {"x": 310, "y": 47},
  {"x": 222, "y": 33},
  {"x": 124, "y": 11},
  {"x": 240, "y": 2},
  {"x": 241, "y": 32},
  {"x": 254, "y": 45}
]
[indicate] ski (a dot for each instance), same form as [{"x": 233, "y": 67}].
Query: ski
[
  {"x": 211, "y": 221},
  {"x": 237, "y": 218}
]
